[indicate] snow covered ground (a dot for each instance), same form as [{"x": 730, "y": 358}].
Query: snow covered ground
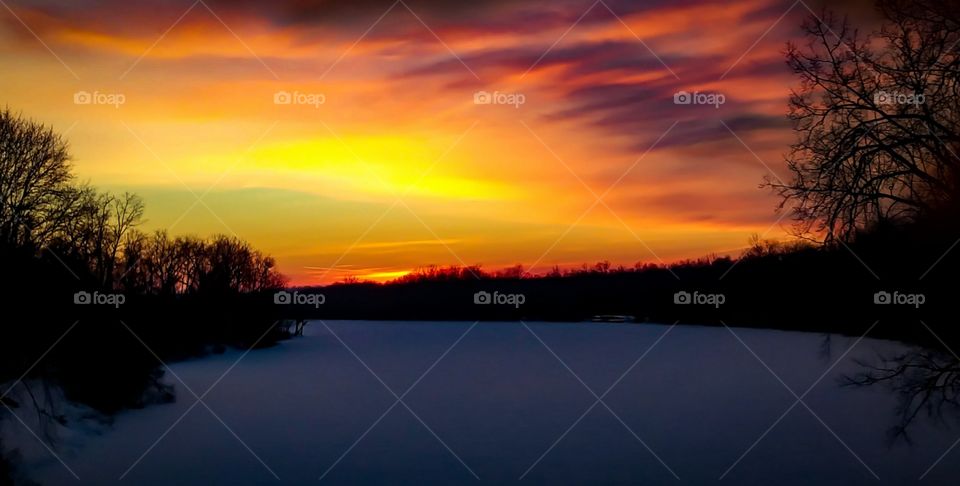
[{"x": 505, "y": 401}]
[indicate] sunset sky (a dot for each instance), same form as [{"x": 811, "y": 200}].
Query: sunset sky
[{"x": 399, "y": 167}]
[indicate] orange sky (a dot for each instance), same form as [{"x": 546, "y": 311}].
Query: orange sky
[{"x": 398, "y": 167}]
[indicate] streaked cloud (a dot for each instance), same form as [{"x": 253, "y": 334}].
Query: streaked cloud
[{"x": 497, "y": 184}]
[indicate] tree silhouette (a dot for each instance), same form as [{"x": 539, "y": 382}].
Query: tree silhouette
[
  {"x": 34, "y": 177},
  {"x": 876, "y": 117},
  {"x": 59, "y": 237}
]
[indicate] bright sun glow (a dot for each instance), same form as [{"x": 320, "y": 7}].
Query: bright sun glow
[{"x": 366, "y": 166}]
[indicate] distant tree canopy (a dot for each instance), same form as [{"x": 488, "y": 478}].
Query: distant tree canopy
[
  {"x": 158, "y": 264},
  {"x": 95, "y": 233},
  {"x": 876, "y": 117}
]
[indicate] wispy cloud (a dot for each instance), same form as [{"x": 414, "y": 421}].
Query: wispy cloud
[{"x": 598, "y": 90}]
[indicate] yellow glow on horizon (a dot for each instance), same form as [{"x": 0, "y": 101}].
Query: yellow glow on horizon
[
  {"x": 385, "y": 276},
  {"x": 482, "y": 184},
  {"x": 374, "y": 165}
]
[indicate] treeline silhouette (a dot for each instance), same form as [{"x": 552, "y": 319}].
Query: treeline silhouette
[
  {"x": 99, "y": 300},
  {"x": 793, "y": 285}
]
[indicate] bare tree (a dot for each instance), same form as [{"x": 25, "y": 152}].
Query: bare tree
[
  {"x": 34, "y": 175},
  {"x": 876, "y": 117},
  {"x": 127, "y": 215},
  {"x": 96, "y": 232}
]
